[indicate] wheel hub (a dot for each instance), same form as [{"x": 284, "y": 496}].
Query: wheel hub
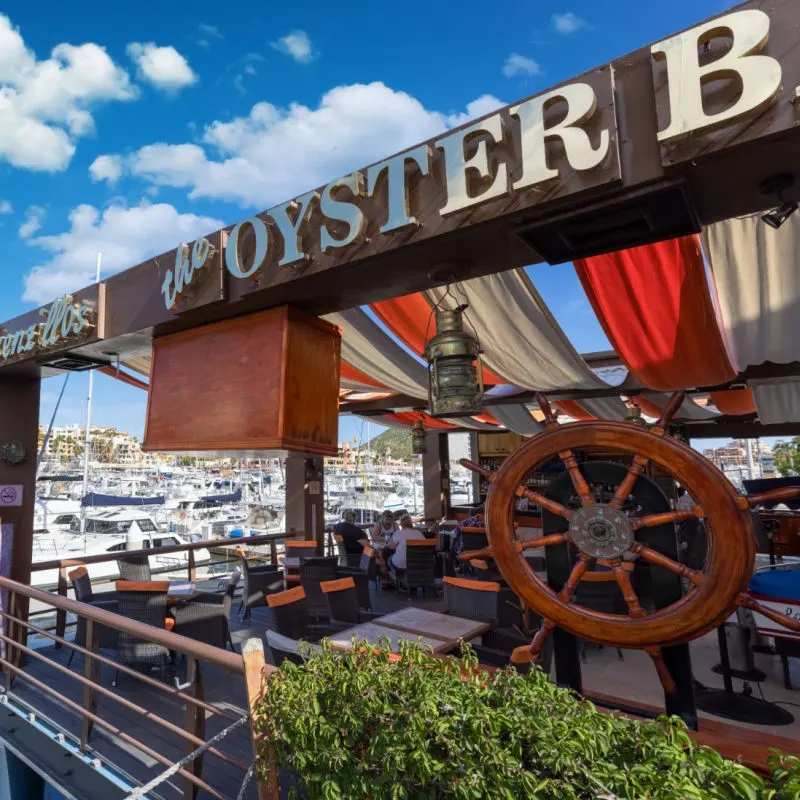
[{"x": 601, "y": 531}]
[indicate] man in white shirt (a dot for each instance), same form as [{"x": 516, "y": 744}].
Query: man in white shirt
[{"x": 398, "y": 545}]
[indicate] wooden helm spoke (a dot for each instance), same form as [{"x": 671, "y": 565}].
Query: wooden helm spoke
[
  {"x": 544, "y": 405},
  {"x": 529, "y": 652},
  {"x": 773, "y": 496},
  {"x": 653, "y": 520},
  {"x": 670, "y": 409},
  {"x": 628, "y": 592},
  {"x": 578, "y": 481},
  {"x": 544, "y": 502},
  {"x": 627, "y": 483},
  {"x": 664, "y": 675},
  {"x": 748, "y": 601},
  {"x": 468, "y": 555},
  {"x": 544, "y": 541},
  {"x": 659, "y": 559},
  {"x": 578, "y": 571}
]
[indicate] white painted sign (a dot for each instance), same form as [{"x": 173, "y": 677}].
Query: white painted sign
[{"x": 10, "y": 495}]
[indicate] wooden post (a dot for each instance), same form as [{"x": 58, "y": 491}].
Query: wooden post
[
  {"x": 61, "y": 614},
  {"x": 305, "y": 498},
  {"x": 19, "y": 421},
  {"x": 435, "y": 476},
  {"x": 192, "y": 569},
  {"x": 255, "y": 673}
]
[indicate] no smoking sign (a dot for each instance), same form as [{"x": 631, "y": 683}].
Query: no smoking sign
[{"x": 10, "y": 495}]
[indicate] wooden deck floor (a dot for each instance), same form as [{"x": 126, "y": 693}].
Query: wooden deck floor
[{"x": 227, "y": 692}]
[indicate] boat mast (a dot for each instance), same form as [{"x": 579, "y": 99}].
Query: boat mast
[{"x": 87, "y": 433}]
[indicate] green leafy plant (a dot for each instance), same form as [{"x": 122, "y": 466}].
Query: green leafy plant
[{"x": 364, "y": 724}]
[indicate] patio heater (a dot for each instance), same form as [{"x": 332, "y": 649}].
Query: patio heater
[{"x": 455, "y": 381}]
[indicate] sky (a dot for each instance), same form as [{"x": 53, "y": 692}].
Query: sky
[{"x": 130, "y": 130}]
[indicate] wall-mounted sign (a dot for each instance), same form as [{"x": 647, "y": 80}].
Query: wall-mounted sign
[
  {"x": 63, "y": 320},
  {"x": 505, "y": 154},
  {"x": 10, "y": 495}
]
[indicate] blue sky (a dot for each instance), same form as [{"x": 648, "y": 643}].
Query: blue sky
[{"x": 133, "y": 129}]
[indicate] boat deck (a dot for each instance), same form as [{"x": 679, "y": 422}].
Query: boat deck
[{"x": 633, "y": 679}]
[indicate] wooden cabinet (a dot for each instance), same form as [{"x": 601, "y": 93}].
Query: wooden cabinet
[
  {"x": 498, "y": 444},
  {"x": 261, "y": 382}
]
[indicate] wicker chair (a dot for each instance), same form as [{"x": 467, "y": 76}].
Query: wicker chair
[
  {"x": 290, "y": 616},
  {"x": 282, "y": 648},
  {"x": 296, "y": 551},
  {"x": 314, "y": 571},
  {"x": 144, "y": 601},
  {"x": 82, "y": 587},
  {"x": 343, "y": 603},
  {"x": 603, "y": 596},
  {"x": 258, "y": 582},
  {"x": 476, "y": 600},
  {"x": 205, "y": 617},
  {"x": 134, "y": 568},
  {"x": 420, "y": 571},
  {"x": 473, "y": 539}
]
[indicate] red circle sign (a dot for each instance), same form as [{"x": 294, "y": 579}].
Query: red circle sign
[{"x": 8, "y": 495}]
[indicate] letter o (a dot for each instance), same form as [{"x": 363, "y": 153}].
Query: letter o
[{"x": 232, "y": 248}]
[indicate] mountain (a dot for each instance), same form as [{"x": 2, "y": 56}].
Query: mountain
[{"x": 393, "y": 441}]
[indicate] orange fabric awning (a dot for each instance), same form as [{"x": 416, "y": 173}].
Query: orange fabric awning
[
  {"x": 352, "y": 374},
  {"x": 487, "y": 418},
  {"x": 655, "y": 307},
  {"x": 734, "y": 401},
  {"x": 411, "y": 417},
  {"x": 410, "y": 318},
  {"x": 572, "y": 409}
]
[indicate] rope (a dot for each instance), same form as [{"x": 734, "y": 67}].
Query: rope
[
  {"x": 246, "y": 781},
  {"x": 142, "y": 791}
]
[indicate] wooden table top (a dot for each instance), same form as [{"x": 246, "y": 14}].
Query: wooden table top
[
  {"x": 429, "y": 623},
  {"x": 373, "y": 633}
]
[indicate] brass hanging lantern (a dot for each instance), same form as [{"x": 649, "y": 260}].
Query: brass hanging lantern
[
  {"x": 634, "y": 415},
  {"x": 418, "y": 445},
  {"x": 455, "y": 380}
]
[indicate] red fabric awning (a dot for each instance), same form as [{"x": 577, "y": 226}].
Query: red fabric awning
[
  {"x": 655, "y": 307},
  {"x": 410, "y": 318},
  {"x": 412, "y": 417},
  {"x": 734, "y": 401},
  {"x": 487, "y": 418},
  {"x": 352, "y": 374}
]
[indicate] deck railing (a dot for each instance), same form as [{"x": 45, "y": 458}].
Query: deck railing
[
  {"x": 15, "y": 652},
  {"x": 65, "y": 565}
]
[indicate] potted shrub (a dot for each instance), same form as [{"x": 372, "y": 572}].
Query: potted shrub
[{"x": 366, "y": 724}]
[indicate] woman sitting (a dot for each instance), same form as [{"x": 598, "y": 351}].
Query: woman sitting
[{"x": 393, "y": 556}]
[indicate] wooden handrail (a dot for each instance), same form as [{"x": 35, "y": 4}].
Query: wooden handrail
[{"x": 266, "y": 538}]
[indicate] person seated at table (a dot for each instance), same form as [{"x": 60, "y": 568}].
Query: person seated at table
[
  {"x": 394, "y": 556},
  {"x": 350, "y": 533},
  {"x": 385, "y": 527}
]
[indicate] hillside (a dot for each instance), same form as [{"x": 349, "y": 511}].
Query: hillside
[{"x": 394, "y": 441}]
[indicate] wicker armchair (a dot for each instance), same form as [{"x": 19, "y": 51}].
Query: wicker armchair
[
  {"x": 420, "y": 571},
  {"x": 258, "y": 582},
  {"x": 290, "y": 616},
  {"x": 205, "y": 617},
  {"x": 341, "y": 596},
  {"x": 314, "y": 571},
  {"x": 82, "y": 587},
  {"x": 144, "y": 601},
  {"x": 282, "y": 648},
  {"x": 134, "y": 568},
  {"x": 476, "y": 600}
]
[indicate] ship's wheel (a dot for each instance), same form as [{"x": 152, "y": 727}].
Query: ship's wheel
[{"x": 608, "y": 533}]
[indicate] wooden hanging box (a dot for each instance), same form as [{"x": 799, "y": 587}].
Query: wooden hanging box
[{"x": 262, "y": 382}]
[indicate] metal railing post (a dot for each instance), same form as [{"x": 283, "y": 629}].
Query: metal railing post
[
  {"x": 192, "y": 569},
  {"x": 255, "y": 675},
  {"x": 91, "y": 671}
]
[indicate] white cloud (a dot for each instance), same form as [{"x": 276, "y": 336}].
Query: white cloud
[
  {"x": 125, "y": 237},
  {"x": 207, "y": 33},
  {"x": 297, "y": 45},
  {"x": 274, "y": 153},
  {"x": 45, "y": 105},
  {"x": 567, "y": 22},
  {"x": 516, "y": 64},
  {"x": 106, "y": 168},
  {"x": 6, "y": 207},
  {"x": 163, "y": 67},
  {"x": 33, "y": 221}
]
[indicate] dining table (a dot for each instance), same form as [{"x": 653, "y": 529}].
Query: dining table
[{"x": 439, "y": 632}]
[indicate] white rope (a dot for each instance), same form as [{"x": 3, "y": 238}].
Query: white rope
[
  {"x": 246, "y": 781},
  {"x": 142, "y": 791}
]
